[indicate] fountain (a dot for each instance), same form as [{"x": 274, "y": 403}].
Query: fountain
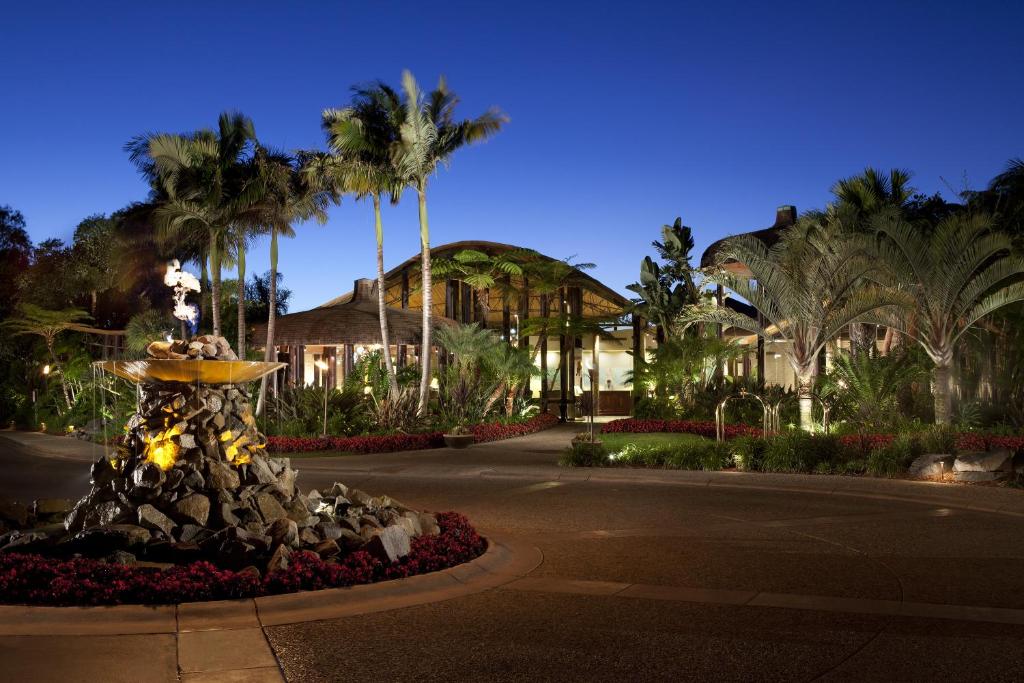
[{"x": 190, "y": 479}]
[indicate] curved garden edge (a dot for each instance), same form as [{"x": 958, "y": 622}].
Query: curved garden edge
[
  {"x": 987, "y": 499},
  {"x": 504, "y": 561}
]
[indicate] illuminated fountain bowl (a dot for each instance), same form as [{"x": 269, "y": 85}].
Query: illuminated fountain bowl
[{"x": 189, "y": 371}]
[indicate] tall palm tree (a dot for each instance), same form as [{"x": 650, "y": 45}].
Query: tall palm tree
[
  {"x": 872, "y": 190},
  {"x": 199, "y": 180},
  {"x": 806, "y": 289},
  {"x": 863, "y": 196},
  {"x": 428, "y": 136},
  {"x": 362, "y": 138},
  {"x": 290, "y": 193},
  {"x": 961, "y": 272}
]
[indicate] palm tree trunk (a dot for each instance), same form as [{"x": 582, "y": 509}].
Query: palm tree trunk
[
  {"x": 381, "y": 304},
  {"x": 204, "y": 284},
  {"x": 940, "y": 391},
  {"x": 241, "y": 298},
  {"x": 427, "y": 296},
  {"x": 268, "y": 353},
  {"x": 804, "y": 400},
  {"x": 215, "y": 283}
]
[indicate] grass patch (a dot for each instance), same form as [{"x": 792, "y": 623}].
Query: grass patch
[{"x": 616, "y": 442}]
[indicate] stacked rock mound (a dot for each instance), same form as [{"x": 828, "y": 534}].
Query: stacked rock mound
[
  {"x": 203, "y": 347},
  {"x": 191, "y": 481}
]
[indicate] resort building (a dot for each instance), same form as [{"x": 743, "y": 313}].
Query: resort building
[{"x": 322, "y": 345}]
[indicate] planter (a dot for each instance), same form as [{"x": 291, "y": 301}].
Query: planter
[{"x": 459, "y": 440}]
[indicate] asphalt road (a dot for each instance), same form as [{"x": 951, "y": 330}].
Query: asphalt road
[{"x": 615, "y": 598}]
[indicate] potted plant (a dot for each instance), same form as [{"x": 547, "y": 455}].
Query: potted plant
[{"x": 459, "y": 437}]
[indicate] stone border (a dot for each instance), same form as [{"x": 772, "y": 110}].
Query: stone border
[{"x": 504, "y": 561}]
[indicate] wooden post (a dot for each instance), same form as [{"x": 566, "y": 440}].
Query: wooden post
[
  {"x": 595, "y": 376},
  {"x": 300, "y": 365},
  {"x": 563, "y": 369},
  {"x": 638, "y": 351},
  {"x": 760, "y": 353},
  {"x": 524, "y": 313},
  {"x": 349, "y": 361},
  {"x": 506, "y": 311},
  {"x": 544, "y": 311},
  {"x": 402, "y": 350},
  {"x": 466, "y": 299}
]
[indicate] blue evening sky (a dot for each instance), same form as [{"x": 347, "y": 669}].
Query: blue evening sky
[{"x": 624, "y": 114}]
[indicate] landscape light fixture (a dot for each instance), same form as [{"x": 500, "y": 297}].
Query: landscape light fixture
[{"x": 46, "y": 369}]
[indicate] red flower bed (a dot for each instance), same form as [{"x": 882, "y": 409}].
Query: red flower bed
[
  {"x": 377, "y": 443},
  {"x": 966, "y": 441},
  {"x": 496, "y": 431},
  {"x": 39, "y": 580},
  {"x": 866, "y": 442},
  {"x": 637, "y": 426},
  {"x": 387, "y": 443}
]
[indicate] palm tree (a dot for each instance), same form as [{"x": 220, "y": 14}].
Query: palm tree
[
  {"x": 864, "y": 196},
  {"x": 362, "y": 138},
  {"x": 872, "y": 190},
  {"x": 806, "y": 289},
  {"x": 428, "y": 136},
  {"x": 961, "y": 272},
  {"x": 290, "y": 193},
  {"x": 47, "y": 324},
  {"x": 199, "y": 180}
]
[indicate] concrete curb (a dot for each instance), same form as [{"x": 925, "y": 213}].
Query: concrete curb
[{"x": 504, "y": 561}]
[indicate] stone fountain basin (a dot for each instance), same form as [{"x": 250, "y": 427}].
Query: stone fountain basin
[{"x": 201, "y": 371}]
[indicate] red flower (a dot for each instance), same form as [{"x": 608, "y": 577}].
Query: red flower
[
  {"x": 387, "y": 443},
  {"x": 39, "y": 580}
]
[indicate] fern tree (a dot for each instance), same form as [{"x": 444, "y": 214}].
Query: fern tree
[
  {"x": 482, "y": 272},
  {"x": 47, "y": 324},
  {"x": 955, "y": 275},
  {"x": 810, "y": 285}
]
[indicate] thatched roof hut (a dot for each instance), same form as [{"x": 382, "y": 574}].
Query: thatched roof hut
[{"x": 354, "y": 321}]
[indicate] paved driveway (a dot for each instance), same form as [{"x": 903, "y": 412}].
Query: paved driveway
[{"x": 668, "y": 575}]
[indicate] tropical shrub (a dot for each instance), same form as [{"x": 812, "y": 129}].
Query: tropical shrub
[
  {"x": 584, "y": 454},
  {"x": 798, "y": 451},
  {"x": 748, "y": 452},
  {"x": 707, "y": 429},
  {"x": 299, "y": 411},
  {"x": 894, "y": 459},
  {"x": 865, "y": 388}
]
